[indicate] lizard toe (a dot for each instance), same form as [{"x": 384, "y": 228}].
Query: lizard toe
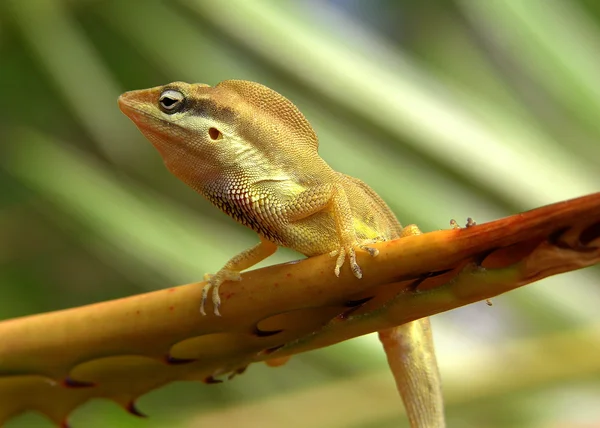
[
  {"x": 342, "y": 252},
  {"x": 341, "y": 257},
  {"x": 356, "y": 270},
  {"x": 205, "y": 291},
  {"x": 216, "y": 298},
  {"x": 373, "y": 252}
]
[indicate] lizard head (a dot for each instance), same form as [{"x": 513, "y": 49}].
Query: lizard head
[
  {"x": 203, "y": 132},
  {"x": 182, "y": 121}
]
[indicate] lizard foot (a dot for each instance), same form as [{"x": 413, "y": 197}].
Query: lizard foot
[
  {"x": 214, "y": 282},
  {"x": 351, "y": 253}
]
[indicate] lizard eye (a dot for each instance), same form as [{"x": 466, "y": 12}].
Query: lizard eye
[{"x": 171, "y": 101}]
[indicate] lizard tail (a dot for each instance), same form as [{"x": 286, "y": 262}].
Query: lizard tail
[{"x": 411, "y": 356}]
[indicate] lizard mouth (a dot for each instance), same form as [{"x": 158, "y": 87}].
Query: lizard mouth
[{"x": 132, "y": 105}]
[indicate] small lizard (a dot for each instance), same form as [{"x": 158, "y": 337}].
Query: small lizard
[{"x": 253, "y": 154}]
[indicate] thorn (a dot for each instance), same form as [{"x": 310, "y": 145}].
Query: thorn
[
  {"x": 346, "y": 314},
  {"x": 589, "y": 234},
  {"x": 437, "y": 273},
  {"x": 271, "y": 350},
  {"x": 131, "y": 408},
  {"x": 236, "y": 372},
  {"x": 72, "y": 383},
  {"x": 277, "y": 361},
  {"x": 554, "y": 237},
  {"x": 357, "y": 302},
  {"x": 266, "y": 333},
  {"x": 174, "y": 361},
  {"x": 211, "y": 379},
  {"x": 415, "y": 284},
  {"x": 480, "y": 258}
]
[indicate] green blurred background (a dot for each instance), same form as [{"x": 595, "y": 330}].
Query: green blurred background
[{"x": 449, "y": 109}]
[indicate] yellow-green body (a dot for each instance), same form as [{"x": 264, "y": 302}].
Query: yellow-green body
[{"x": 252, "y": 153}]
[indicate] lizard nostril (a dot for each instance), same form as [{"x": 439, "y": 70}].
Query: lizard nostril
[{"x": 214, "y": 134}]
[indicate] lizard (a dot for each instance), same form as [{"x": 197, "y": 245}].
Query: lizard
[{"x": 253, "y": 154}]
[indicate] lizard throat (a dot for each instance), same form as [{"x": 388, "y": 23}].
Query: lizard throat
[{"x": 240, "y": 208}]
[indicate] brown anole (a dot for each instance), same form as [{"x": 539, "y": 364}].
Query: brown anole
[{"x": 253, "y": 154}]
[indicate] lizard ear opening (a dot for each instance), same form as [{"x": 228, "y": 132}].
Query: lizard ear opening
[{"x": 214, "y": 134}]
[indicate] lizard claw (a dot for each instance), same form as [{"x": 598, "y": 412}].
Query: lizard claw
[{"x": 214, "y": 282}]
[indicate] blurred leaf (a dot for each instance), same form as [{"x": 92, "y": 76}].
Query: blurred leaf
[{"x": 448, "y": 109}]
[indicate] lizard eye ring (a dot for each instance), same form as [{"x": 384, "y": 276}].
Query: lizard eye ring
[{"x": 171, "y": 101}]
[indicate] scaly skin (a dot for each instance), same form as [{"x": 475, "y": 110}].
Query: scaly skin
[{"x": 252, "y": 153}]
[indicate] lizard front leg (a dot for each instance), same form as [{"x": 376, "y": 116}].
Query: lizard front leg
[
  {"x": 231, "y": 271},
  {"x": 332, "y": 197}
]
